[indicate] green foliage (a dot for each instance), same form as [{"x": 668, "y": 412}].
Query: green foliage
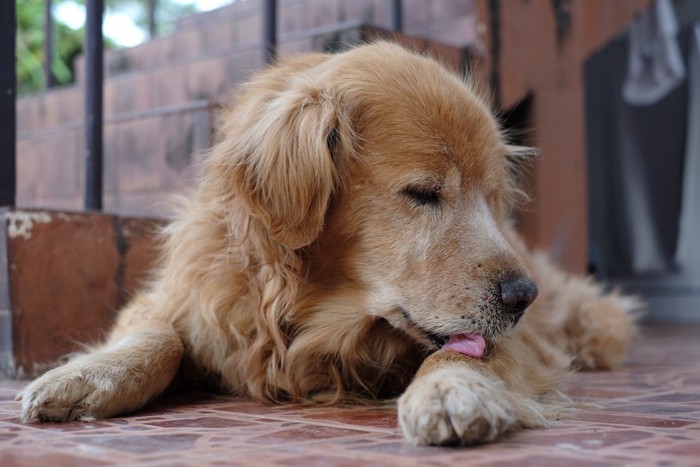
[
  {"x": 166, "y": 14},
  {"x": 30, "y": 52},
  {"x": 68, "y": 43}
]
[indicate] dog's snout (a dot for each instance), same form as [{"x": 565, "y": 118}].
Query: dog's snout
[{"x": 517, "y": 293}]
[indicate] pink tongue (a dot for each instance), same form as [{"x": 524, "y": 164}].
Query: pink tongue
[{"x": 472, "y": 345}]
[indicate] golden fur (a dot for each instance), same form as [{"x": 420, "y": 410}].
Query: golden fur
[{"x": 355, "y": 205}]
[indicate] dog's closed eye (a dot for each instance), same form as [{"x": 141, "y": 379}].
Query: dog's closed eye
[{"x": 423, "y": 195}]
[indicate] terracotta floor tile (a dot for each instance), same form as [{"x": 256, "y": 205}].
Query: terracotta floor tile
[
  {"x": 202, "y": 422},
  {"x": 629, "y": 420},
  {"x": 376, "y": 418},
  {"x": 648, "y": 413},
  {"x": 302, "y": 434}
]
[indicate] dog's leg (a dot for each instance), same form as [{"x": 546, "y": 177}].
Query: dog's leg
[
  {"x": 455, "y": 404},
  {"x": 575, "y": 314},
  {"x": 455, "y": 399},
  {"x": 593, "y": 326},
  {"x": 136, "y": 364}
]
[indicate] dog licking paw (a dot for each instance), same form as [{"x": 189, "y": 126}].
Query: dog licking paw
[
  {"x": 351, "y": 233},
  {"x": 454, "y": 406}
]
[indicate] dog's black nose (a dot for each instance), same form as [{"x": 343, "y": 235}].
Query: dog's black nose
[{"x": 517, "y": 293}]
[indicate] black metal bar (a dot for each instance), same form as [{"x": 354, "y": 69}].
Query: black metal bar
[
  {"x": 495, "y": 28},
  {"x": 49, "y": 79},
  {"x": 396, "y": 15},
  {"x": 269, "y": 30},
  {"x": 8, "y": 117},
  {"x": 152, "y": 6},
  {"x": 94, "y": 77}
]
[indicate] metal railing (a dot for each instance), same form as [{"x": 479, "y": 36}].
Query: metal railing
[
  {"x": 269, "y": 31},
  {"x": 8, "y": 91},
  {"x": 396, "y": 15},
  {"x": 94, "y": 77}
]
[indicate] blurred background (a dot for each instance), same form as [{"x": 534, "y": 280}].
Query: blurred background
[
  {"x": 608, "y": 90},
  {"x": 127, "y": 23}
]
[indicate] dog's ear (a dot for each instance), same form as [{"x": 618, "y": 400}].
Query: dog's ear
[{"x": 284, "y": 169}]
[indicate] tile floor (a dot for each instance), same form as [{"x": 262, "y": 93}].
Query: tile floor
[{"x": 646, "y": 414}]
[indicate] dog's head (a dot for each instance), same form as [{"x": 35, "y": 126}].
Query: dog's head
[{"x": 392, "y": 179}]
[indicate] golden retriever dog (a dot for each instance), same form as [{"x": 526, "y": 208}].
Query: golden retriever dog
[{"x": 349, "y": 240}]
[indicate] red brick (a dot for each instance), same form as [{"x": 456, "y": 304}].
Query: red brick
[
  {"x": 129, "y": 93},
  {"x": 49, "y": 165},
  {"x": 207, "y": 78},
  {"x": 61, "y": 284},
  {"x": 68, "y": 273},
  {"x": 415, "y": 12},
  {"x": 110, "y": 157},
  {"x": 218, "y": 36},
  {"x": 140, "y": 204},
  {"x": 187, "y": 43},
  {"x": 449, "y": 9},
  {"x": 168, "y": 86},
  {"x": 64, "y": 203},
  {"x": 323, "y": 12},
  {"x": 240, "y": 66},
  {"x": 249, "y": 30},
  {"x": 292, "y": 18},
  {"x": 178, "y": 135},
  {"x": 456, "y": 32},
  {"x": 140, "y": 148}
]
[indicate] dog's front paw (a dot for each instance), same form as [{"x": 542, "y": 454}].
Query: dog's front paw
[
  {"x": 71, "y": 392},
  {"x": 455, "y": 406}
]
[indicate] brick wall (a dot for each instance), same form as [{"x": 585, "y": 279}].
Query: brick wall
[{"x": 161, "y": 97}]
